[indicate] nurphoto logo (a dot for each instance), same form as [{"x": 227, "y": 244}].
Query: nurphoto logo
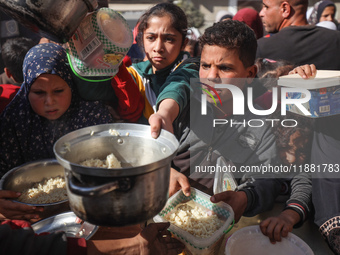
[{"x": 239, "y": 104}]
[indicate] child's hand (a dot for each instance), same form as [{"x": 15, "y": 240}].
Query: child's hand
[
  {"x": 277, "y": 227},
  {"x": 16, "y": 211},
  {"x": 163, "y": 118},
  {"x": 236, "y": 199},
  {"x": 157, "y": 122},
  {"x": 156, "y": 239},
  {"x": 178, "y": 181},
  {"x": 305, "y": 71}
]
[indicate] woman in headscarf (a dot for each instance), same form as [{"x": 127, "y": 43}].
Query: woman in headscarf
[
  {"x": 45, "y": 108},
  {"x": 322, "y": 11},
  {"x": 252, "y": 18}
]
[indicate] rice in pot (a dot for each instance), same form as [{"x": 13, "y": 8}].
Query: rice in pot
[{"x": 110, "y": 162}]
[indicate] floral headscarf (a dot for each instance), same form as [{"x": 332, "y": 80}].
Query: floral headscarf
[
  {"x": 24, "y": 135},
  {"x": 318, "y": 9},
  {"x": 48, "y": 58}
]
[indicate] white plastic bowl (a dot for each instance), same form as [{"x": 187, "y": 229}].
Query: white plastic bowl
[{"x": 250, "y": 240}]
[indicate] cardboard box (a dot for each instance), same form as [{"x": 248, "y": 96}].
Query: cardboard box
[{"x": 324, "y": 89}]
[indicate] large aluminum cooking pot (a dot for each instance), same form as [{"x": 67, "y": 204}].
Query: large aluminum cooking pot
[
  {"x": 56, "y": 20},
  {"x": 121, "y": 196}
]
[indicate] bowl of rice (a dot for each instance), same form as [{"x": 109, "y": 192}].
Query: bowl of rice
[
  {"x": 41, "y": 183},
  {"x": 197, "y": 222}
]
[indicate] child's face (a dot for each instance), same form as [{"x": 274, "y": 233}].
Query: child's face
[
  {"x": 296, "y": 153},
  {"x": 50, "y": 96},
  {"x": 162, "y": 42},
  {"x": 218, "y": 63},
  {"x": 328, "y": 14}
]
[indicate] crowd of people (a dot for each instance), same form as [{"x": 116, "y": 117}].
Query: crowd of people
[{"x": 164, "y": 87}]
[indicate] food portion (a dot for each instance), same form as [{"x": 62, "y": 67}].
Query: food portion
[
  {"x": 194, "y": 220},
  {"x": 110, "y": 162},
  {"x": 113, "y": 59},
  {"x": 44, "y": 192}
]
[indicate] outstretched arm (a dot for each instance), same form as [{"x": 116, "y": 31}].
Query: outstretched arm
[{"x": 164, "y": 117}]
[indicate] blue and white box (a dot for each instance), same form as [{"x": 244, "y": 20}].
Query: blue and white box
[{"x": 324, "y": 89}]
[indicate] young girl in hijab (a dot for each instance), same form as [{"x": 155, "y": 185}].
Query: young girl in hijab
[
  {"x": 45, "y": 108},
  {"x": 322, "y": 11}
]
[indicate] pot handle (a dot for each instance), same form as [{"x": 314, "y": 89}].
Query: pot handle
[{"x": 123, "y": 184}]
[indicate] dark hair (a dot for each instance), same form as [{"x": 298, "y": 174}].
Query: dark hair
[
  {"x": 269, "y": 70},
  {"x": 13, "y": 53},
  {"x": 227, "y": 16},
  {"x": 178, "y": 18},
  {"x": 195, "y": 46},
  {"x": 304, "y": 125},
  {"x": 232, "y": 34}
]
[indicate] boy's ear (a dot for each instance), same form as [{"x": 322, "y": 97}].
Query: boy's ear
[
  {"x": 252, "y": 71},
  {"x": 8, "y": 72}
]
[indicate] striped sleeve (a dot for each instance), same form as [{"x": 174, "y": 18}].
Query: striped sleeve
[{"x": 301, "y": 196}]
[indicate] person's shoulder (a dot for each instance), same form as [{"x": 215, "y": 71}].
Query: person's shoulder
[
  {"x": 142, "y": 66},
  {"x": 191, "y": 63},
  {"x": 311, "y": 29},
  {"x": 327, "y": 31},
  {"x": 268, "y": 38}
]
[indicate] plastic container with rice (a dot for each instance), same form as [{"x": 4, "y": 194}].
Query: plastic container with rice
[{"x": 209, "y": 213}]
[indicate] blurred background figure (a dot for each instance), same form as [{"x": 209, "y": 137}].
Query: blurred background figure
[
  {"x": 9, "y": 28},
  {"x": 192, "y": 46},
  {"x": 223, "y": 15},
  {"x": 252, "y": 18},
  {"x": 323, "y": 11},
  {"x": 13, "y": 53},
  {"x": 136, "y": 52},
  {"x": 103, "y": 3}
]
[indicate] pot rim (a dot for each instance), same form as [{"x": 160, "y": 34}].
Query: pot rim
[{"x": 138, "y": 130}]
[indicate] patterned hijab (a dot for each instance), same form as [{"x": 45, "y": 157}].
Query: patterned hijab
[
  {"x": 25, "y": 136},
  {"x": 318, "y": 9}
]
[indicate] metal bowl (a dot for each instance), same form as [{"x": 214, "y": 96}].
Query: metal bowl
[
  {"x": 24, "y": 176},
  {"x": 68, "y": 223}
]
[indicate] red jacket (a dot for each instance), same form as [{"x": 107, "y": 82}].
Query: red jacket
[
  {"x": 131, "y": 102},
  {"x": 8, "y": 93}
]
